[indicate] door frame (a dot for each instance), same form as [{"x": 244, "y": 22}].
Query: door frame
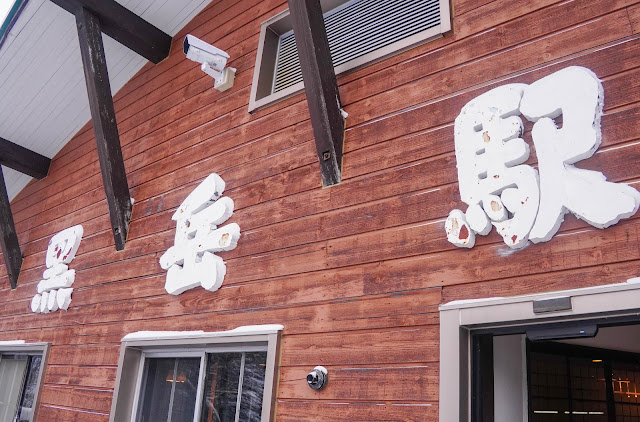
[{"x": 615, "y": 303}]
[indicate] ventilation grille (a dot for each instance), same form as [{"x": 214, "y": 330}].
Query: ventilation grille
[{"x": 357, "y": 28}]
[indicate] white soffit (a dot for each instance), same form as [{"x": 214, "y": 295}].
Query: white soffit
[{"x": 44, "y": 97}]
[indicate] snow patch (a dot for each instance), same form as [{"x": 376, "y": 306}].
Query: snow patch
[{"x": 167, "y": 335}]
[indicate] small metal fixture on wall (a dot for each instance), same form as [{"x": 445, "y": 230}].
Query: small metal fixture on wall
[{"x": 318, "y": 378}]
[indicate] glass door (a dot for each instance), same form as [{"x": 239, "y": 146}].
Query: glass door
[{"x": 12, "y": 372}]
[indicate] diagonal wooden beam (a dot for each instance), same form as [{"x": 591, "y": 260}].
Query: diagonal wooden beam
[
  {"x": 114, "y": 176},
  {"x": 124, "y": 26},
  {"x": 9, "y": 237},
  {"x": 28, "y": 162},
  {"x": 23, "y": 160},
  {"x": 320, "y": 85}
]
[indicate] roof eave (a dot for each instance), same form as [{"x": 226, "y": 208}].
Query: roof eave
[{"x": 11, "y": 19}]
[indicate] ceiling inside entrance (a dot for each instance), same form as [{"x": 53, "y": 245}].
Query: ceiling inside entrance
[{"x": 624, "y": 338}]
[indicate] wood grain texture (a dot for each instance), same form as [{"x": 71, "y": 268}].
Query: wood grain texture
[
  {"x": 418, "y": 383},
  {"x": 354, "y": 272},
  {"x": 73, "y": 414},
  {"x": 23, "y": 160},
  {"x": 320, "y": 86},
  {"x": 119, "y": 22},
  {"x": 8, "y": 237},
  {"x": 114, "y": 176},
  {"x": 331, "y": 411},
  {"x": 634, "y": 17}
]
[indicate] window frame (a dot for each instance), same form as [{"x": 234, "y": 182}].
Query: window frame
[
  {"x": 461, "y": 320},
  {"x": 30, "y": 349},
  {"x": 133, "y": 354},
  {"x": 274, "y": 27}
]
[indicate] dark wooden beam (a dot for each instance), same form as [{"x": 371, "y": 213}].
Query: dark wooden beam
[
  {"x": 320, "y": 85},
  {"x": 124, "y": 26},
  {"x": 23, "y": 160},
  {"x": 114, "y": 176},
  {"x": 9, "y": 237}
]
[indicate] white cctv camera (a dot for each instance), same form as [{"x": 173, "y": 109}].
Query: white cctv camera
[{"x": 213, "y": 61}]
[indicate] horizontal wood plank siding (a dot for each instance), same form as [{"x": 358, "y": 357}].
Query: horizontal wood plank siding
[{"x": 354, "y": 272}]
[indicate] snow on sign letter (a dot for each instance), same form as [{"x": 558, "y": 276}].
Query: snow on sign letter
[
  {"x": 191, "y": 261},
  {"x": 54, "y": 292},
  {"x": 523, "y": 203}
]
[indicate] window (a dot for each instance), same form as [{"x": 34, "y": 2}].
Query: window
[
  {"x": 197, "y": 377},
  {"x": 359, "y": 32},
  {"x": 20, "y": 379}
]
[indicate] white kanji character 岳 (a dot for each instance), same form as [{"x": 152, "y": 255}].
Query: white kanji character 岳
[{"x": 191, "y": 261}]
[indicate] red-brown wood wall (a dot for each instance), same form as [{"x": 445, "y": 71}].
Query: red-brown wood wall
[{"x": 354, "y": 272}]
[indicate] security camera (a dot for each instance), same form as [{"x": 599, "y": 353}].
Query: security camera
[
  {"x": 213, "y": 61},
  {"x": 318, "y": 378}
]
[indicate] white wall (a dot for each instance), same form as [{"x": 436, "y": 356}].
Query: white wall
[{"x": 510, "y": 378}]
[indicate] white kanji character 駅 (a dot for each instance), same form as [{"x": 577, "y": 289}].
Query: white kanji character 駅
[
  {"x": 502, "y": 191},
  {"x": 576, "y": 94},
  {"x": 492, "y": 177}
]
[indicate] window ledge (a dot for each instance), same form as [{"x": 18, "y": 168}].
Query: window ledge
[
  {"x": 11, "y": 343},
  {"x": 248, "y": 330}
]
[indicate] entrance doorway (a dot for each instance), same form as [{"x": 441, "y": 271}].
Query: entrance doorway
[{"x": 567, "y": 356}]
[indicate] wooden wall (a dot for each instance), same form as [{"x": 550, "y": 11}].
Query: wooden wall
[{"x": 354, "y": 272}]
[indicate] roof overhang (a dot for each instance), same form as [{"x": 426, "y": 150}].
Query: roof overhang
[{"x": 42, "y": 82}]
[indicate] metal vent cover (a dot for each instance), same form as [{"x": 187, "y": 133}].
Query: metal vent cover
[{"x": 356, "y": 28}]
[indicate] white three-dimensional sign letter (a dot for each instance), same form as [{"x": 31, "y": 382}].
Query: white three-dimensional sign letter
[
  {"x": 191, "y": 261},
  {"x": 519, "y": 202}
]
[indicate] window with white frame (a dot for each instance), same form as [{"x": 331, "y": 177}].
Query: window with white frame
[
  {"x": 358, "y": 31},
  {"x": 20, "y": 379},
  {"x": 191, "y": 377}
]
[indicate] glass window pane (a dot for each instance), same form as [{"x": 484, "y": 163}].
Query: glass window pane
[
  {"x": 221, "y": 387},
  {"x": 186, "y": 389},
  {"x": 588, "y": 390},
  {"x": 156, "y": 388},
  {"x": 626, "y": 388},
  {"x": 169, "y": 383},
  {"x": 548, "y": 384},
  {"x": 253, "y": 386},
  {"x": 29, "y": 392},
  {"x": 12, "y": 371},
  {"x": 568, "y": 387}
]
